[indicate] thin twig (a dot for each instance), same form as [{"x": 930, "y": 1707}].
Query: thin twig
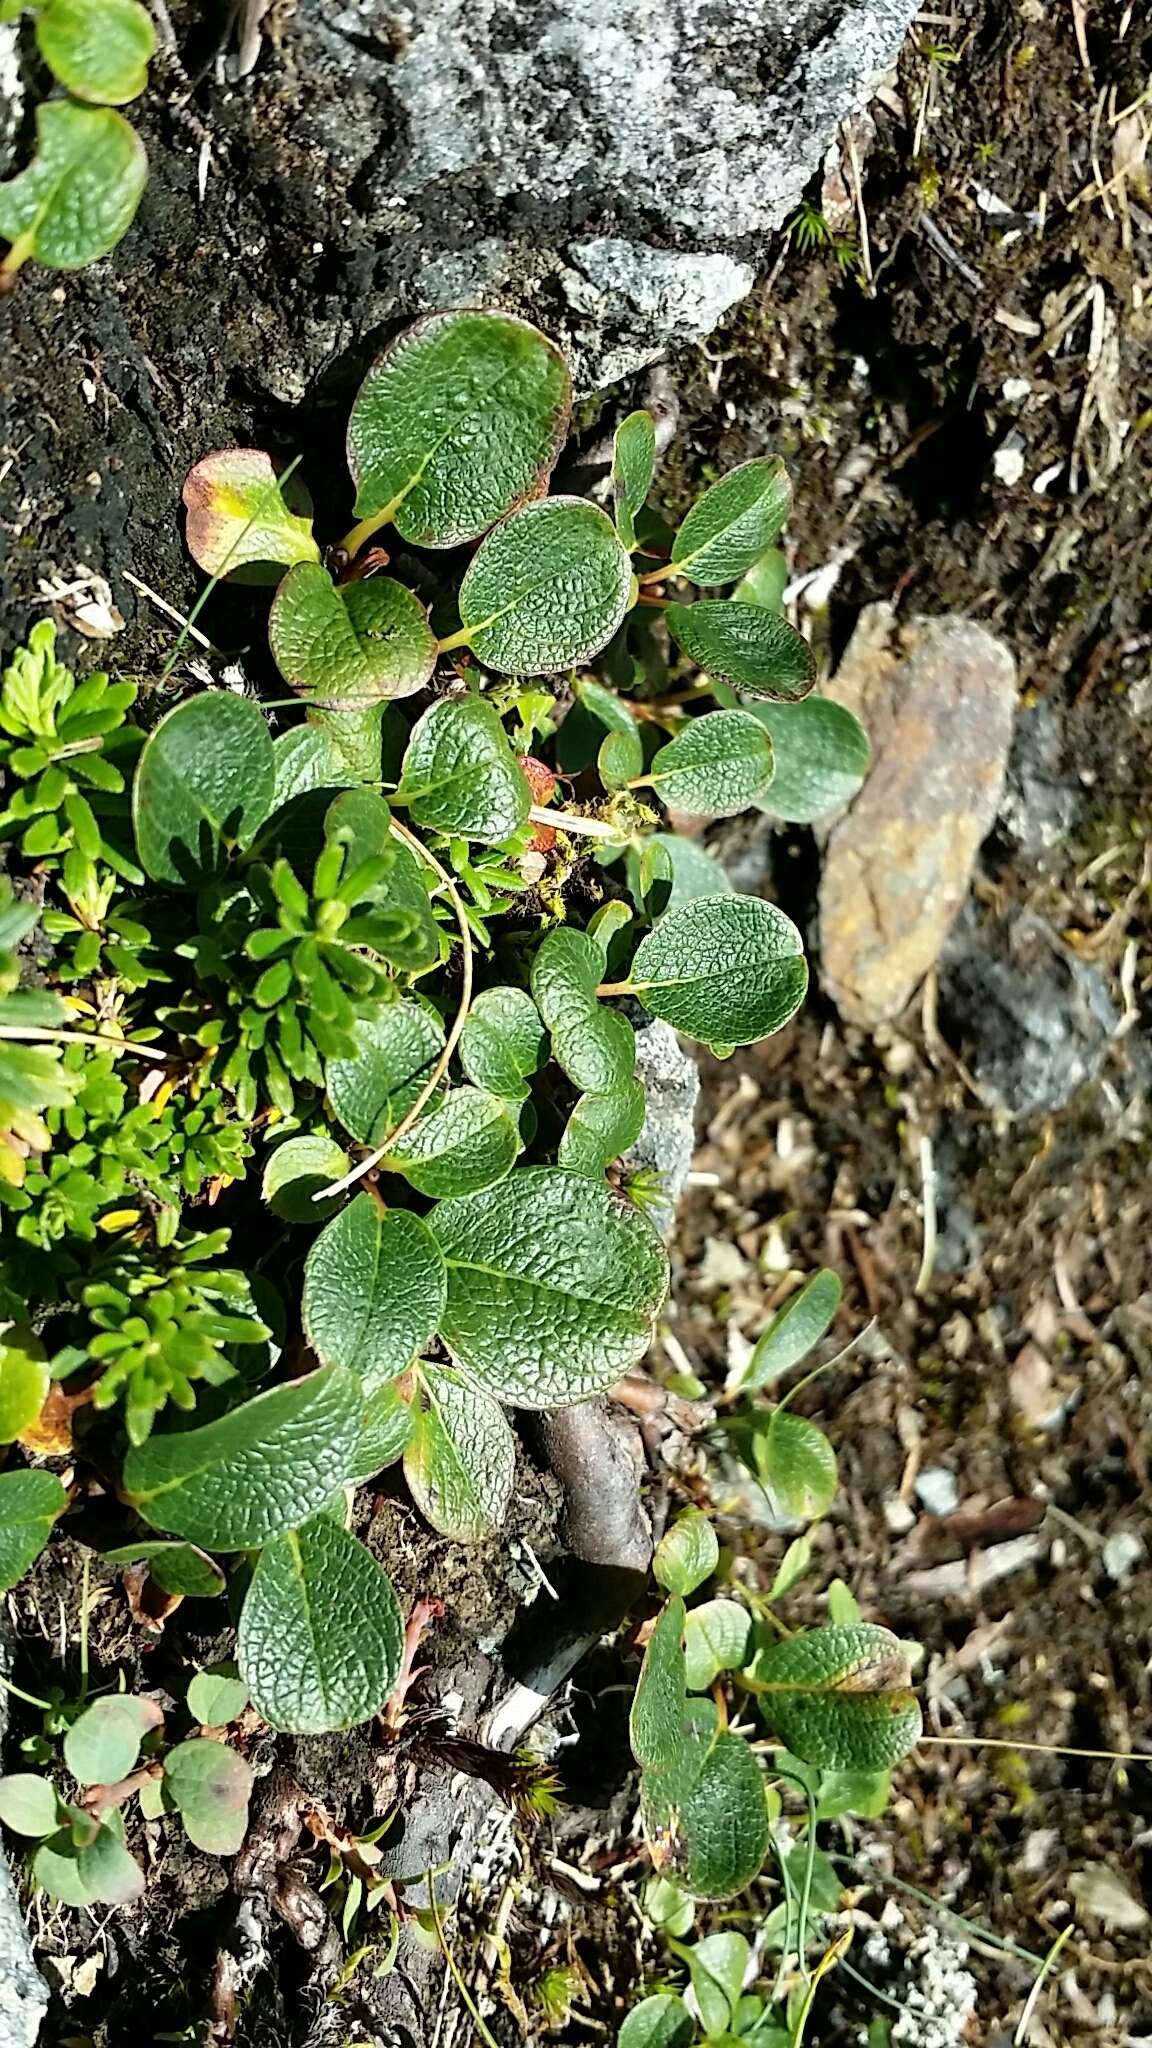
[
  {"x": 928, "y": 1204},
  {"x": 1107, "y": 1756},
  {"x": 567, "y": 821},
  {"x": 1021, "y": 2034},
  {"x": 47, "y": 1034},
  {"x": 406, "y": 1123},
  {"x": 861, "y": 215},
  {"x": 163, "y": 605}
]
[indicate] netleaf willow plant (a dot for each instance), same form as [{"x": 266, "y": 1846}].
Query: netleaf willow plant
[
  {"x": 365, "y": 986},
  {"x": 78, "y": 196}
]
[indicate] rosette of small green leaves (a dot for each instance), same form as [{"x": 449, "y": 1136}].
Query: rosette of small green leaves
[
  {"x": 158, "y": 1322},
  {"x": 57, "y": 742},
  {"x": 299, "y": 965},
  {"x": 113, "y": 1161},
  {"x": 32, "y": 1079}
]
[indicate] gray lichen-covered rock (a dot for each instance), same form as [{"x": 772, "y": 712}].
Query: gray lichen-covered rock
[
  {"x": 614, "y": 168},
  {"x": 1033, "y": 1021},
  {"x": 671, "y": 1083}
]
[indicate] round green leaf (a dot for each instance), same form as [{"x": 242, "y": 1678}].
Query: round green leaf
[
  {"x": 656, "y": 1719},
  {"x": 718, "y": 1966},
  {"x": 306, "y": 759},
  {"x": 29, "y": 1504},
  {"x": 320, "y": 1635},
  {"x": 461, "y": 1459},
  {"x": 687, "y": 1553},
  {"x": 98, "y": 52},
  {"x": 840, "y": 1696},
  {"x": 659, "y": 2022},
  {"x": 793, "y": 1330},
  {"x": 553, "y": 1285},
  {"x": 503, "y": 1042},
  {"x": 707, "y": 1817},
  {"x": 718, "y": 765},
  {"x": 102, "y": 1745},
  {"x": 716, "y": 1637},
  {"x": 744, "y": 646},
  {"x": 601, "y": 1128},
  {"x": 395, "y": 1051},
  {"x": 245, "y": 522},
  {"x": 724, "y": 969},
  {"x": 822, "y": 757},
  {"x": 217, "y": 1695},
  {"x": 733, "y": 523},
  {"x": 796, "y": 1465},
  {"x": 352, "y": 643},
  {"x": 460, "y": 419},
  {"x": 295, "y": 1173},
  {"x": 468, "y": 1142},
  {"x": 24, "y": 1380},
  {"x": 765, "y": 582},
  {"x": 176, "y": 1567},
  {"x": 28, "y": 1805},
  {"x": 633, "y": 467},
  {"x": 100, "y": 1873},
  {"x": 620, "y": 759},
  {"x": 595, "y": 1046},
  {"x": 210, "y": 1787},
  {"x": 78, "y": 196},
  {"x": 546, "y": 589},
  {"x": 460, "y": 774},
  {"x": 204, "y": 783},
  {"x": 263, "y": 1468},
  {"x": 374, "y": 1291}
]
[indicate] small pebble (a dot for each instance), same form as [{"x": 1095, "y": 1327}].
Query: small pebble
[
  {"x": 937, "y": 1491},
  {"x": 899, "y": 1517},
  {"x": 1121, "y": 1553}
]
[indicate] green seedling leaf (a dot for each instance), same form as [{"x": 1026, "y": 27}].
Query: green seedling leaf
[
  {"x": 707, "y": 1818},
  {"x": 29, "y": 1504},
  {"x": 320, "y": 1634},
  {"x": 716, "y": 766},
  {"x": 744, "y": 646},
  {"x": 656, "y": 1725},
  {"x": 601, "y": 1128},
  {"x": 666, "y": 871},
  {"x": 659, "y": 2022},
  {"x": 840, "y": 1697},
  {"x": 24, "y": 1380},
  {"x": 178, "y": 1568},
  {"x": 396, "y": 1049},
  {"x": 718, "y": 1966},
  {"x": 796, "y": 1466},
  {"x": 605, "y": 706},
  {"x": 595, "y": 1046},
  {"x": 99, "y": 53},
  {"x": 843, "y": 1606},
  {"x": 503, "y": 1042},
  {"x": 687, "y": 1553},
  {"x": 352, "y": 644},
  {"x": 822, "y": 757},
  {"x": 210, "y": 1787},
  {"x": 217, "y": 1695},
  {"x": 460, "y": 419},
  {"x": 620, "y": 760},
  {"x": 793, "y": 1331},
  {"x": 469, "y": 1141},
  {"x": 460, "y": 774},
  {"x": 78, "y": 196},
  {"x": 244, "y": 522},
  {"x": 100, "y": 1873},
  {"x": 668, "y": 1908},
  {"x": 765, "y": 582},
  {"x": 553, "y": 1286},
  {"x": 633, "y": 467},
  {"x": 716, "y": 1638},
  {"x": 384, "y": 1432},
  {"x": 864, "y": 1793},
  {"x": 546, "y": 590},
  {"x": 374, "y": 1291},
  {"x": 792, "y": 1567},
  {"x": 255, "y": 1472},
  {"x": 733, "y": 523},
  {"x": 461, "y": 1460},
  {"x": 724, "y": 969},
  {"x": 28, "y": 1805},
  {"x": 297, "y": 1171},
  {"x": 204, "y": 784},
  {"x": 103, "y": 1744}
]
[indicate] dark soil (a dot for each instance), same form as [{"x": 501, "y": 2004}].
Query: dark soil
[{"x": 1023, "y": 1365}]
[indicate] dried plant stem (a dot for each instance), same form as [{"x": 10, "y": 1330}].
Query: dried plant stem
[{"x": 406, "y": 1123}]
